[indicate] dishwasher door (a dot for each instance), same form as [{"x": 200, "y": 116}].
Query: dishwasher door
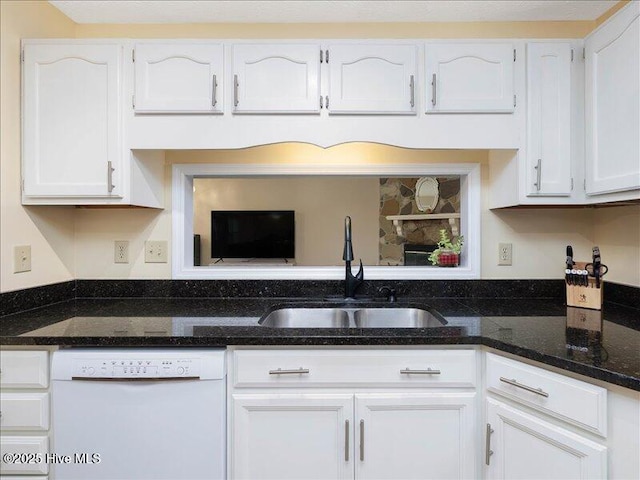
[{"x": 139, "y": 429}]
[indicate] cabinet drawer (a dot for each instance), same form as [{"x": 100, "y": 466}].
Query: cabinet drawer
[
  {"x": 24, "y": 411},
  {"x": 32, "y": 451},
  {"x": 24, "y": 369},
  {"x": 571, "y": 400},
  {"x": 319, "y": 368}
]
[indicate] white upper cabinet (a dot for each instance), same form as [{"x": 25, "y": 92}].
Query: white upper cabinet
[
  {"x": 72, "y": 122},
  {"x": 470, "y": 77},
  {"x": 549, "y": 118},
  {"x": 372, "y": 79},
  {"x": 613, "y": 104},
  {"x": 276, "y": 78},
  {"x": 178, "y": 78}
]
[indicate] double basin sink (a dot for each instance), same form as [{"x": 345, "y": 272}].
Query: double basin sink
[{"x": 351, "y": 316}]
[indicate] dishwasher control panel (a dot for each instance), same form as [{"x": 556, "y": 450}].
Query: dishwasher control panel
[{"x": 140, "y": 367}]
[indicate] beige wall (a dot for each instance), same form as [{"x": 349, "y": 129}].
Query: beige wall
[
  {"x": 343, "y": 30},
  {"x": 617, "y": 233},
  {"x": 320, "y": 206},
  {"x": 49, "y": 230},
  {"x": 78, "y": 243}
]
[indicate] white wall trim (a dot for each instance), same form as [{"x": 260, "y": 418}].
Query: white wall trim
[{"x": 182, "y": 221}]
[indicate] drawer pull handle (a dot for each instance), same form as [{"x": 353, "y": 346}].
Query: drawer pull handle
[
  {"x": 412, "y": 88},
  {"x": 279, "y": 371},
  {"x": 346, "y": 440},
  {"x": 487, "y": 449},
  {"x": 362, "y": 440},
  {"x": 214, "y": 93},
  {"x": 235, "y": 90},
  {"x": 428, "y": 371},
  {"x": 537, "y": 391}
]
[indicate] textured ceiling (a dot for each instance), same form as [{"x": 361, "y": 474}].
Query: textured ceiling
[{"x": 321, "y": 11}]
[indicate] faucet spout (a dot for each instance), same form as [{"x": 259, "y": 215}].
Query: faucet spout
[{"x": 351, "y": 282}]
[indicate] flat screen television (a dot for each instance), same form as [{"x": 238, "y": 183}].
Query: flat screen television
[{"x": 252, "y": 234}]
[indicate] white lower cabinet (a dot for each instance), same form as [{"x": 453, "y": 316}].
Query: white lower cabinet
[
  {"x": 24, "y": 413},
  {"x": 292, "y": 436},
  {"x": 524, "y": 446},
  {"x": 336, "y": 436},
  {"x": 345, "y": 414},
  {"x": 415, "y": 436}
]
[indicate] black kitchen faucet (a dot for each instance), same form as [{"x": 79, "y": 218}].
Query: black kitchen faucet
[{"x": 351, "y": 283}]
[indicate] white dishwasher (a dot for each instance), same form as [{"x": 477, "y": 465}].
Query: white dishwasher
[{"x": 122, "y": 414}]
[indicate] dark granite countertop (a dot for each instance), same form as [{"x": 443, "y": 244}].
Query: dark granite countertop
[{"x": 543, "y": 330}]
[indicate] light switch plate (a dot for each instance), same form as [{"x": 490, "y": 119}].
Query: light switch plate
[
  {"x": 505, "y": 253},
  {"x": 156, "y": 251},
  {"x": 22, "y": 258}
]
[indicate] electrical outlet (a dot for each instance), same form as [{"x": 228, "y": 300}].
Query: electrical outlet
[
  {"x": 155, "y": 252},
  {"x": 121, "y": 251},
  {"x": 505, "y": 253},
  {"x": 22, "y": 258}
]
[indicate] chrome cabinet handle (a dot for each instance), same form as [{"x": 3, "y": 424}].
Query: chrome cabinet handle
[
  {"x": 235, "y": 90},
  {"x": 428, "y": 371},
  {"x": 214, "y": 88},
  {"x": 412, "y": 88},
  {"x": 279, "y": 371},
  {"x": 362, "y": 440},
  {"x": 538, "y": 168},
  {"x": 433, "y": 90},
  {"x": 110, "y": 170},
  {"x": 487, "y": 447},
  {"x": 346, "y": 440},
  {"x": 537, "y": 391}
]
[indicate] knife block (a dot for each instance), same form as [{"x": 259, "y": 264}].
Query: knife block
[{"x": 585, "y": 297}]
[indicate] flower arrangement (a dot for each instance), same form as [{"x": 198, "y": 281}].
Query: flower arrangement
[{"x": 448, "y": 253}]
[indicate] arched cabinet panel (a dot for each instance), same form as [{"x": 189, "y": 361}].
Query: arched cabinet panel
[
  {"x": 178, "y": 78},
  {"x": 474, "y": 77},
  {"x": 372, "y": 79},
  {"x": 272, "y": 78}
]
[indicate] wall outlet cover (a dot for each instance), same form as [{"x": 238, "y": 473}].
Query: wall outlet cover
[
  {"x": 21, "y": 258},
  {"x": 505, "y": 254},
  {"x": 121, "y": 251},
  {"x": 156, "y": 251}
]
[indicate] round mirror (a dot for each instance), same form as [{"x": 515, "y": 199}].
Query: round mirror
[{"x": 427, "y": 194}]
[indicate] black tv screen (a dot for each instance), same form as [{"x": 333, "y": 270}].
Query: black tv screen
[{"x": 252, "y": 234}]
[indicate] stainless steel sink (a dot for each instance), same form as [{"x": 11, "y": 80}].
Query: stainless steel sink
[
  {"x": 352, "y": 317},
  {"x": 307, "y": 318},
  {"x": 397, "y": 318}
]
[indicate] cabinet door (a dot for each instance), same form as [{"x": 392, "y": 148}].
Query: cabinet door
[
  {"x": 178, "y": 78},
  {"x": 470, "y": 77},
  {"x": 549, "y": 118},
  {"x": 290, "y": 436},
  {"x": 276, "y": 78},
  {"x": 72, "y": 120},
  {"x": 415, "y": 436},
  {"x": 526, "y": 447},
  {"x": 613, "y": 104},
  {"x": 372, "y": 79}
]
